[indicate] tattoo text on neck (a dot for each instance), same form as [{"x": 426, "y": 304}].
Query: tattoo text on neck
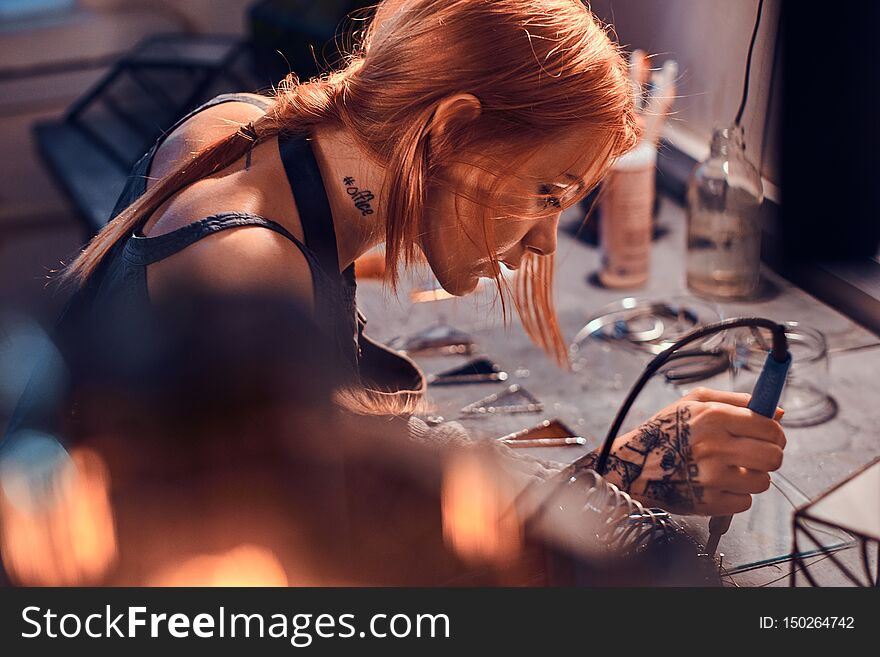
[{"x": 360, "y": 197}]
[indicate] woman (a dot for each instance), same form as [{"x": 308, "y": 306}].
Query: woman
[{"x": 459, "y": 130}]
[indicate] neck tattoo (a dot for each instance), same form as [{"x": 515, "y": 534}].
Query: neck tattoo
[{"x": 360, "y": 197}]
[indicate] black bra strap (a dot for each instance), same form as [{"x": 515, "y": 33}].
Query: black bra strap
[
  {"x": 147, "y": 250},
  {"x": 308, "y": 190}
]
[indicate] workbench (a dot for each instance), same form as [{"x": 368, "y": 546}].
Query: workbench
[{"x": 816, "y": 458}]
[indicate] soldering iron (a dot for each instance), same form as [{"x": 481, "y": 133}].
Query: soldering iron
[{"x": 765, "y": 395}]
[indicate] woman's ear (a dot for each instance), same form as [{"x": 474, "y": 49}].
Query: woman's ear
[{"x": 452, "y": 114}]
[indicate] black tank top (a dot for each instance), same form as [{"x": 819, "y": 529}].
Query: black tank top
[{"x": 120, "y": 281}]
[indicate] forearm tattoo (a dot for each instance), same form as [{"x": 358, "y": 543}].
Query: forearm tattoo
[
  {"x": 360, "y": 197},
  {"x": 671, "y": 479}
]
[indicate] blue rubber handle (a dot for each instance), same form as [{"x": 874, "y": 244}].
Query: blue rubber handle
[
  {"x": 768, "y": 389},
  {"x": 765, "y": 399}
]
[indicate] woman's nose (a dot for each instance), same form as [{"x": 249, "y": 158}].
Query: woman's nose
[{"x": 541, "y": 239}]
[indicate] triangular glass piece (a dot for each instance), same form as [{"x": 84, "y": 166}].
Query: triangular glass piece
[
  {"x": 514, "y": 399},
  {"x": 479, "y": 370},
  {"x": 547, "y": 429},
  {"x": 439, "y": 340}
]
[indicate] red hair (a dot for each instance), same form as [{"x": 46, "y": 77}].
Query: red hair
[{"x": 539, "y": 68}]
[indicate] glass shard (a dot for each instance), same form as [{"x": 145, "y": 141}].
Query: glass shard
[
  {"x": 478, "y": 370},
  {"x": 554, "y": 428},
  {"x": 438, "y": 340},
  {"x": 514, "y": 399}
]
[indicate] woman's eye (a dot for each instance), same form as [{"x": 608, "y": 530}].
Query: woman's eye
[{"x": 549, "y": 196}]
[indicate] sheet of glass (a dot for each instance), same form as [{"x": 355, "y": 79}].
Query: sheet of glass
[{"x": 763, "y": 534}]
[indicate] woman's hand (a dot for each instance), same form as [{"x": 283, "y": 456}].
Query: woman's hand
[{"x": 705, "y": 454}]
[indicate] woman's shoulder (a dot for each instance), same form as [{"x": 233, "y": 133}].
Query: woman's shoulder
[
  {"x": 206, "y": 126},
  {"x": 243, "y": 259},
  {"x": 255, "y": 255}
]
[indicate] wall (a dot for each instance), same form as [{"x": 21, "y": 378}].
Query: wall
[
  {"x": 709, "y": 39},
  {"x": 204, "y": 16},
  {"x": 37, "y": 227}
]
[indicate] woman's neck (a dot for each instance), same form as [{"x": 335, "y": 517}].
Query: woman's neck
[{"x": 353, "y": 183}]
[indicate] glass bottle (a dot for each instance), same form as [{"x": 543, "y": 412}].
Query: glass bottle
[{"x": 724, "y": 232}]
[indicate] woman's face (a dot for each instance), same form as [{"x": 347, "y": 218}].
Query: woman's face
[{"x": 523, "y": 214}]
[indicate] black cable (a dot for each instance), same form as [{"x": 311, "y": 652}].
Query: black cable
[{"x": 745, "y": 94}]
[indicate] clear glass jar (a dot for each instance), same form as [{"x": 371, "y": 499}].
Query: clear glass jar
[
  {"x": 724, "y": 232},
  {"x": 805, "y": 397}
]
